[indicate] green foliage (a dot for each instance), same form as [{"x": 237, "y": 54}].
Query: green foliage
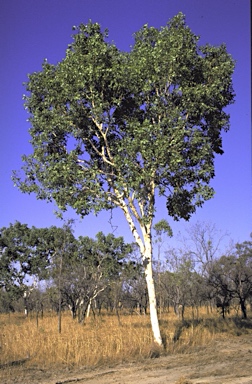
[
  {"x": 162, "y": 227},
  {"x": 18, "y": 256},
  {"x": 95, "y": 265},
  {"x": 109, "y": 128},
  {"x": 104, "y": 255},
  {"x": 180, "y": 280},
  {"x": 27, "y": 252},
  {"x": 79, "y": 268},
  {"x": 231, "y": 276}
]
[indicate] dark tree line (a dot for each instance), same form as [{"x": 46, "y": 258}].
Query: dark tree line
[{"x": 50, "y": 268}]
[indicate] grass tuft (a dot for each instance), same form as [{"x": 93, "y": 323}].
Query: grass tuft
[{"x": 183, "y": 380}]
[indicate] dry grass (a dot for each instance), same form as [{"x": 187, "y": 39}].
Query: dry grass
[
  {"x": 100, "y": 340},
  {"x": 104, "y": 340},
  {"x": 183, "y": 380}
]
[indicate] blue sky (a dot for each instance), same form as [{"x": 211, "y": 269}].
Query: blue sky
[{"x": 31, "y": 30}]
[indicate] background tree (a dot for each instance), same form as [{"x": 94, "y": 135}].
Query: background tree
[
  {"x": 220, "y": 280},
  {"x": 179, "y": 280},
  {"x": 96, "y": 265},
  {"x": 161, "y": 230},
  {"x": 110, "y": 128},
  {"x": 23, "y": 256},
  {"x": 64, "y": 248},
  {"x": 231, "y": 277},
  {"x": 119, "y": 293},
  {"x": 242, "y": 274},
  {"x": 135, "y": 293},
  {"x": 7, "y": 299},
  {"x": 203, "y": 243},
  {"x": 31, "y": 254},
  {"x": 15, "y": 256}
]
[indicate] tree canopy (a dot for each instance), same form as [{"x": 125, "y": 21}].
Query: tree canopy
[
  {"x": 110, "y": 127},
  {"x": 29, "y": 252}
]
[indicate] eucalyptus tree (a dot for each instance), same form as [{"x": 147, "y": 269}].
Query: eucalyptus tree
[
  {"x": 6, "y": 301},
  {"x": 30, "y": 254},
  {"x": 134, "y": 294},
  {"x": 98, "y": 265},
  {"x": 115, "y": 129},
  {"x": 203, "y": 242},
  {"x": 161, "y": 230},
  {"x": 21, "y": 255},
  {"x": 220, "y": 279},
  {"x": 64, "y": 248},
  {"x": 231, "y": 278},
  {"x": 242, "y": 277},
  {"x": 178, "y": 280}
]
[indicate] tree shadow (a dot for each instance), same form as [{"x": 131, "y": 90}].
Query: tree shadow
[
  {"x": 242, "y": 323},
  {"x": 185, "y": 324},
  {"x": 233, "y": 326}
]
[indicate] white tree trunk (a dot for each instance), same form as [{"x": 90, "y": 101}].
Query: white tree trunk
[
  {"x": 145, "y": 246},
  {"x": 147, "y": 261},
  {"x": 88, "y": 309}
]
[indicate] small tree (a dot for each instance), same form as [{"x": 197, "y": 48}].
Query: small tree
[
  {"x": 243, "y": 274},
  {"x": 231, "y": 276},
  {"x": 220, "y": 279},
  {"x": 113, "y": 129},
  {"x": 179, "y": 280},
  {"x": 96, "y": 265},
  {"x": 6, "y": 300},
  {"x": 203, "y": 243},
  {"x": 161, "y": 229},
  {"x": 23, "y": 255},
  {"x": 64, "y": 249}
]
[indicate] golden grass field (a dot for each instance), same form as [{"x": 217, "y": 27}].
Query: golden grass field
[{"x": 104, "y": 339}]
